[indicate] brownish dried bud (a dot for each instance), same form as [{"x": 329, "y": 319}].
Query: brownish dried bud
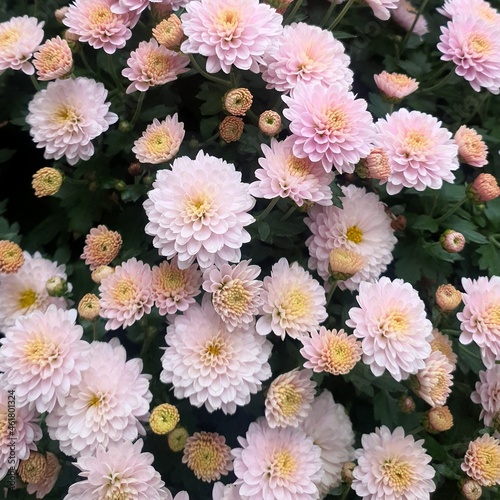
[
  {"x": 346, "y": 473},
  {"x": 406, "y": 404},
  {"x": 447, "y": 298},
  {"x": 231, "y": 129},
  {"x": 89, "y": 307},
  {"x": 101, "y": 272},
  {"x": 177, "y": 439},
  {"x": 237, "y": 101},
  {"x": 399, "y": 223},
  {"x": 11, "y": 257},
  {"x": 33, "y": 469},
  {"x": 135, "y": 169},
  {"x": 470, "y": 489},
  {"x": 438, "y": 419}
]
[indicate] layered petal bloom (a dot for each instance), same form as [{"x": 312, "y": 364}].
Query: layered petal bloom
[
  {"x": 405, "y": 13},
  {"x": 283, "y": 174},
  {"x": 482, "y": 460},
  {"x": 191, "y": 214},
  {"x": 442, "y": 343},
  {"x": 294, "y": 302},
  {"x": 106, "y": 407},
  {"x": 305, "y": 53},
  {"x": 360, "y": 226},
  {"x": 43, "y": 487},
  {"x": 131, "y": 472},
  {"x": 101, "y": 246},
  {"x": 277, "y": 463},
  {"x": 211, "y": 365},
  {"x": 421, "y": 152},
  {"x": 395, "y": 86},
  {"x": 53, "y": 59},
  {"x": 230, "y": 32},
  {"x": 487, "y": 394},
  {"x": 434, "y": 381},
  {"x": 42, "y": 357},
  {"x": 392, "y": 465},
  {"x": 471, "y": 147},
  {"x": 67, "y": 115},
  {"x": 392, "y": 323},
  {"x": 329, "y": 125},
  {"x": 19, "y": 38},
  {"x": 382, "y": 8},
  {"x": 470, "y": 8},
  {"x": 480, "y": 318}
]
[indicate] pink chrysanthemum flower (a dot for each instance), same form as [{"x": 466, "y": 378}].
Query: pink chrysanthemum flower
[
  {"x": 283, "y": 174},
  {"x": 305, "y": 53},
  {"x": 330, "y": 350},
  {"x": 126, "y": 295},
  {"x": 174, "y": 289},
  {"x": 474, "y": 47},
  {"x": 361, "y": 226},
  {"x": 134, "y": 7},
  {"x": 392, "y": 323},
  {"x": 329, "y": 427},
  {"x": 152, "y": 64},
  {"x": 395, "y": 86},
  {"x": 480, "y": 318},
  {"x": 19, "y": 38},
  {"x": 191, "y": 214},
  {"x": 382, "y": 8},
  {"x": 53, "y": 59},
  {"x": 67, "y": 115},
  {"x": 211, "y": 365},
  {"x": 107, "y": 406},
  {"x": 421, "y": 152},
  {"x": 404, "y": 14},
  {"x": 442, "y": 343},
  {"x": 230, "y": 32},
  {"x": 289, "y": 398},
  {"x": 26, "y": 431},
  {"x": 160, "y": 141},
  {"x": 101, "y": 247},
  {"x": 470, "y": 8},
  {"x": 392, "y": 465},
  {"x": 235, "y": 292},
  {"x": 170, "y": 5},
  {"x": 482, "y": 460},
  {"x": 329, "y": 125},
  {"x": 471, "y": 147},
  {"x": 43, "y": 487},
  {"x": 487, "y": 394},
  {"x": 294, "y": 302},
  {"x": 42, "y": 357},
  {"x": 24, "y": 292},
  {"x": 123, "y": 471},
  {"x": 282, "y": 462},
  {"x": 434, "y": 381},
  {"x": 225, "y": 491}
]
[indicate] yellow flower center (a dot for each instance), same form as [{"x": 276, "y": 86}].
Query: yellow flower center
[
  {"x": 492, "y": 316},
  {"x": 298, "y": 167},
  {"x": 124, "y": 291},
  {"x": 398, "y": 474},
  {"x": 336, "y": 120},
  {"x": 9, "y": 37},
  {"x": 227, "y": 22},
  {"x": 487, "y": 462},
  {"x": 295, "y": 305},
  {"x": 171, "y": 279},
  {"x": 233, "y": 297},
  {"x": 486, "y": 13},
  {"x": 206, "y": 457},
  {"x": 399, "y": 79},
  {"x": 27, "y": 299},
  {"x": 197, "y": 207},
  {"x": 41, "y": 353},
  {"x": 94, "y": 401},
  {"x": 354, "y": 234},
  {"x": 394, "y": 324},
  {"x": 288, "y": 399},
  {"x": 99, "y": 15},
  {"x": 164, "y": 418},
  {"x": 67, "y": 115},
  {"x": 338, "y": 356},
  {"x": 283, "y": 465},
  {"x": 156, "y": 67},
  {"x": 479, "y": 44},
  {"x": 4, "y": 425},
  {"x": 214, "y": 351},
  {"x": 439, "y": 390},
  {"x": 158, "y": 142},
  {"x": 415, "y": 142}
]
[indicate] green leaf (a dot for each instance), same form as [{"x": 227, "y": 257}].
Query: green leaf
[
  {"x": 436, "y": 251},
  {"x": 469, "y": 358},
  {"x": 264, "y": 231},
  {"x": 424, "y": 223},
  {"x": 446, "y": 471},
  {"x": 435, "y": 449},
  {"x": 492, "y": 211},
  {"x": 6, "y": 154},
  {"x": 467, "y": 228},
  {"x": 212, "y": 99},
  {"x": 490, "y": 259}
]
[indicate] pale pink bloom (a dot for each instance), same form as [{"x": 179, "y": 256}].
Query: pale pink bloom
[
  {"x": 474, "y": 47},
  {"x": 395, "y": 86},
  {"x": 329, "y": 125},
  {"x": 67, "y": 115},
  {"x": 126, "y": 295},
  {"x": 392, "y": 323},
  {"x": 330, "y": 428},
  {"x": 160, "y": 141},
  {"x": 487, "y": 394},
  {"x": 225, "y": 491},
  {"x": 235, "y": 292},
  {"x": 471, "y": 147},
  {"x": 169, "y": 5},
  {"x": 482, "y": 460},
  {"x": 101, "y": 246},
  {"x": 152, "y": 64},
  {"x": 123, "y": 471},
  {"x": 19, "y": 38},
  {"x": 283, "y": 174},
  {"x": 484, "y": 188},
  {"x": 211, "y": 365},
  {"x": 230, "y": 32},
  {"x": 277, "y": 463},
  {"x": 470, "y": 8},
  {"x": 361, "y": 226},
  {"x": 106, "y": 407},
  {"x": 191, "y": 215},
  {"x": 404, "y": 14},
  {"x": 480, "y": 318},
  {"x": 42, "y": 356},
  {"x": 421, "y": 152},
  {"x": 382, "y": 8},
  {"x": 25, "y": 427},
  {"x": 294, "y": 302},
  {"x": 132, "y": 7},
  {"x": 174, "y": 289},
  {"x": 53, "y": 59},
  {"x": 289, "y": 398},
  {"x": 443, "y": 343},
  {"x": 47, "y": 483},
  {"x": 434, "y": 381},
  {"x": 24, "y": 292},
  {"x": 392, "y": 466},
  {"x": 305, "y": 53}
]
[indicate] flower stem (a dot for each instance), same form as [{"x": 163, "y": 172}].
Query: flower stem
[
  {"x": 207, "y": 75},
  {"x": 418, "y": 14},
  {"x": 269, "y": 207},
  {"x": 416, "y": 430},
  {"x": 452, "y": 210},
  {"x": 494, "y": 239},
  {"x": 138, "y": 109},
  {"x": 441, "y": 82},
  {"x": 290, "y": 16},
  {"x": 330, "y": 293},
  {"x": 289, "y": 212},
  {"x": 113, "y": 73},
  {"x": 35, "y": 83},
  {"x": 328, "y": 14},
  {"x": 343, "y": 12},
  {"x": 210, "y": 140},
  {"x": 94, "y": 330}
]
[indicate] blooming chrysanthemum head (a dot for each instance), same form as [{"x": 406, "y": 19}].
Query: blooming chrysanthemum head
[
  {"x": 382, "y": 8},
  {"x": 482, "y": 460},
  {"x": 11, "y": 257},
  {"x": 452, "y": 241},
  {"x": 405, "y": 13},
  {"x": 53, "y": 59},
  {"x": 448, "y": 298},
  {"x": 33, "y": 468},
  {"x": 269, "y": 122},
  {"x": 231, "y": 128},
  {"x": 375, "y": 165},
  {"x": 208, "y": 456},
  {"x": 169, "y": 32},
  {"x": 164, "y": 418},
  {"x": 101, "y": 246},
  {"x": 177, "y": 439},
  {"x": 344, "y": 263},
  {"x": 472, "y": 8},
  {"x": 294, "y": 303},
  {"x": 392, "y": 323},
  {"x": 67, "y": 115},
  {"x": 47, "y": 181},
  {"x": 438, "y": 419},
  {"x": 289, "y": 398},
  {"x": 487, "y": 394},
  {"x": 471, "y": 147},
  {"x": 434, "y": 381},
  {"x": 44, "y": 486},
  {"x": 237, "y": 101},
  {"x": 160, "y": 141},
  {"x": 89, "y": 307},
  {"x": 395, "y": 86},
  {"x": 443, "y": 344},
  {"x": 330, "y": 350},
  {"x": 484, "y": 188},
  {"x": 391, "y": 464}
]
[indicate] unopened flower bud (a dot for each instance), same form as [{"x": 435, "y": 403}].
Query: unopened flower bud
[
  {"x": 169, "y": 32},
  {"x": 164, "y": 418},
  {"x": 135, "y": 169},
  {"x": 438, "y": 419},
  {"x": 375, "y": 165},
  {"x": 448, "y": 298},
  {"x": 452, "y": 241},
  {"x": 89, "y": 307},
  {"x": 47, "y": 181},
  {"x": 269, "y": 122},
  {"x": 71, "y": 38},
  {"x": 100, "y": 273},
  {"x": 237, "y": 101},
  {"x": 60, "y": 14},
  {"x": 11, "y": 257},
  {"x": 177, "y": 439},
  {"x": 279, "y": 5},
  {"x": 471, "y": 147},
  {"x": 470, "y": 489},
  {"x": 125, "y": 126},
  {"x": 406, "y": 404},
  {"x": 484, "y": 188},
  {"x": 346, "y": 473},
  {"x": 231, "y": 128},
  {"x": 395, "y": 86},
  {"x": 33, "y": 469},
  {"x": 399, "y": 223},
  {"x": 345, "y": 263},
  {"x": 120, "y": 186},
  {"x": 56, "y": 286}
]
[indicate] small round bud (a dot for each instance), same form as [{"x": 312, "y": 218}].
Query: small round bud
[
  {"x": 346, "y": 473},
  {"x": 124, "y": 126},
  {"x": 11, "y": 257},
  {"x": 177, "y": 439},
  {"x": 164, "y": 418},
  {"x": 237, "y": 101},
  {"x": 148, "y": 180},
  {"x": 470, "y": 489},
  {"x": 231, "y": 129},
  {"x": 269, "y": 122},
  {"x": 56, "y": 286},
  {"x": 135, "y": 169},
  {"x": 399, "y": 223},
  {"x": 438, "y": 419},
  {"x": 120, "y": 186},
  {"x": 406, "y": 404},
  {"x": 93, "y": 186},
  {"x": 47, "y": 181},
  {"x": 169, "y": 32},
  {"x": 375, "y": 165},
  {"x": 89, "y": 307},
  {"x": 345, "y": 263},
  {"x": 452, "y": 241},
  {"x": 33, "y": 469},
  {"x": 447, "y": 298},
  {"x": 484, "y": 188},
  {"x": 100, "y": 273},
  {"x": 60, "y": 14}
]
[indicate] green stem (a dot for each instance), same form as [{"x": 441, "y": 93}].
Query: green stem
[
  {"x": 480, "y": 102},
  {"x": 290, "y": 16},
  {"x": 208, "y": 76},
  {"x": 94, "y": 330},
  {"x": 290, "y": 212},
  {"x": 35, "y": 83},
  {"x": 452, "y": 210},
  {"x": 253, "y": 117},
  {"x": 494, "y": 239},
  {"x": 138, "y": 109},
  {"x": 85, "y": 62},
  {"x": 210, "y": 140},
  {"x": 441, "y": 83},
  {"x": 439, "y": 317},
  {"x": 269, "y": 207},
  {"x": 330, "y": 293},
  {"x": 410, "y": 31},
  {"x": 416, "y": 430},
  {"x": 339, "y": 18},
  {"x": 391, "y": 107},
  {"x": 145, "y": 345},
  {"x": 113, "y": 72},
  {"x": 328, "y": 14}
]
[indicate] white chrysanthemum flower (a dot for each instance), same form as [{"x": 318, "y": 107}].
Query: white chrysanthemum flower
[{"x": 487, "y": 394}]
